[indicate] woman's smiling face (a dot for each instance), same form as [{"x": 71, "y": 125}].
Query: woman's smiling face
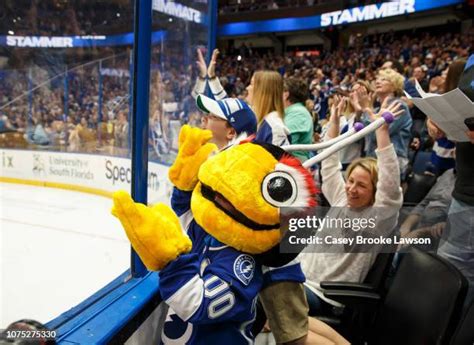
[{"x": 359, "y": 188}]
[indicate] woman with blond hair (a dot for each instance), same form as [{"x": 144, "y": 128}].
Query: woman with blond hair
[
  {"x": 371, "y": 192},
  {"x": 389, "y": 86},
  {"x": 265, "y": 95}
]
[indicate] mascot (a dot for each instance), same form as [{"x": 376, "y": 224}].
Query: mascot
[{"x": 225, "y": 222}]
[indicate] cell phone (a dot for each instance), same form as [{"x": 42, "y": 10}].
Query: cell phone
[{"x": 469, "y": 122}]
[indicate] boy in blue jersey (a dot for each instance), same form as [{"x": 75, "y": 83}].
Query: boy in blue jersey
[
  {"x": 222, "y": 281},
  {"x": 219, "y": 263},
  {"x": 283, "y": 296},
  {"x": 282, "y": 286},
  {"x": 213, "y": 288}
]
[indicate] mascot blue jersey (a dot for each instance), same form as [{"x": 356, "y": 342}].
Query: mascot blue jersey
[{"x": 211, "y": 291}]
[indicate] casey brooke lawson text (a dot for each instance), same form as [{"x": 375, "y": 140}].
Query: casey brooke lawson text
[{"x": 357, "y": 240}]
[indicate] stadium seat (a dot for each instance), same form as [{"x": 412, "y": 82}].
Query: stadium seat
[
  {"x": 464, "y": 333},
  {"x": 418, "y": 185},
  {"x": 375, "y": 278},
  {"x": 415, "y": 311},
  {"x": 356, "y": 316},
  {"x": 421, "y": 162}
]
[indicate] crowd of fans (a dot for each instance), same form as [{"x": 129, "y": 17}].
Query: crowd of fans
[
  {"x": 77, "y": 17},
  {"x": 238, "y": 6},
  {"x": 94, "y": 116},
  {"x": 361, "y": 82},
  {"x": 41, "y": 114},
  {"x": 359, "y": 59},
  {"x": 80, "y": 17}
]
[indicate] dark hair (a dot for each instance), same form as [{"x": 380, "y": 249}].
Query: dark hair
[
  {"x": 397, "y": 66},
  {"x": 297, "y": 88},
  {"x": 454, "y": 74},
  {"x": 27, "y": 325}
]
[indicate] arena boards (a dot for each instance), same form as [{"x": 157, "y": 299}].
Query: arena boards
[{"x": 96, "y": 174}]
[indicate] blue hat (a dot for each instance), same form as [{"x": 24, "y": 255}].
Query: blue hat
[{"x": 236, "y": 112}]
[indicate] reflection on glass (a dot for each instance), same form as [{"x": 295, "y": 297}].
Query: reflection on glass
[
  {"x": 65, "y": 120},
  {"x": 65, "y": 76},
  {"x": 84, "y": 108},
  {"x": 173, "y": 73}
]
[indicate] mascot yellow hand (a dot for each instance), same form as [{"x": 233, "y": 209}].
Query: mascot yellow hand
[
  {"x": 155, "y": 233},
  {"x": 194, "y": 149}
]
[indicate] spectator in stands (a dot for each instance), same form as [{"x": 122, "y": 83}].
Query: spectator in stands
[
  {"x": 431, "y": 68},
  {"x": 369, "y": 183},
  {"x": 19, "y": 124},
  {"x": 224, "y": 131},
  {"x": 429, "y": 217},
  {"x": 408, "y": 86},
  {"x": 442, "y": 156},
  {"x": 457, "y": 245},
  {"x": 121, "y": 131},
  {"x": 419, "y": 76},
  {"x": 437, "y": 84},
  {"x": 36, "y": 134},
  {"x": 5, "y": 125},
  {"x": 227, "y": 119},
  {"x": 297, "y": 118},
  {"x": 353, "y": 114},
  {"x": 265, "y": 96},
  {"x": 316, "y": 123},
  {"x": 320, "y": 88},
  {"x": 389, "y": 86},
  {"x": 393, "y": 64},
  {"x": 157, "y": 136},
  {"x": 74, "y": 142},
  {"x": 56, "y": 133},
  {"x": 87, "y": 136}
]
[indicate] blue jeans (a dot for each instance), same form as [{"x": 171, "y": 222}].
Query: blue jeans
[{"x": 457, "y": 245}]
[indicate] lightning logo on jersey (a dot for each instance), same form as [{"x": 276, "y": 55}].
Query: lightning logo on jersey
[{"x": 244, "y": 267}]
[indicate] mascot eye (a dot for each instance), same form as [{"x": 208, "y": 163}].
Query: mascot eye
[{"x": 279, "y": 189}]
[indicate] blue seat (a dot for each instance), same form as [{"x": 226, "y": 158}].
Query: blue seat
[{"x": 421, "y": 162}]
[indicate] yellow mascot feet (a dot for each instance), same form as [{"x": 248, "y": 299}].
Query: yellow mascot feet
[{"x": 155, "y": 233}]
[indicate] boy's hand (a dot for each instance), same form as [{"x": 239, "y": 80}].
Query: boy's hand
[
  {"x": 433, "y": 130},
  {"x": 211, "y": 70},
  {"x": 201, "y": 65}
]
